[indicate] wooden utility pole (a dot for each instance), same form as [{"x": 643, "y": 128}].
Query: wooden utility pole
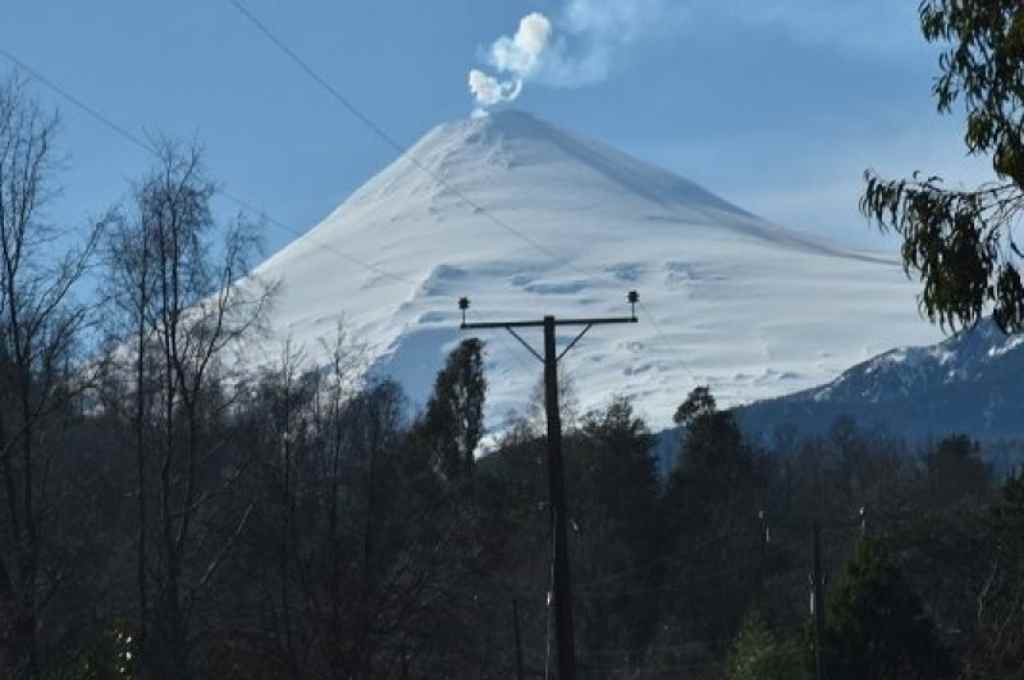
[
  {"x": 762, "y": 567},
  {"x": 819, "y": 607},
  {"x": 556, "y": 467},
  {"x": 519, "y": 642}
]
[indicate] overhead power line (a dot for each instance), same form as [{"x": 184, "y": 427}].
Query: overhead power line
[
  {"x": 146, "y": 146},
  {"x": 150, "y": 149},
  {"x": 650, "y": 317},
  {"x": 320, "y": 243},
  {"x": 141, "y": 143},
  {"x": 114, "y": 127},
  {"x": 401, "y": 149},
  {"x": 389, "y": 139}
]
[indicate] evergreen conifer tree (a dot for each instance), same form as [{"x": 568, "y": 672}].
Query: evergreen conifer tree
[
  {"x": 454, "y": 419},
  {"x": 876, "y": 627}
]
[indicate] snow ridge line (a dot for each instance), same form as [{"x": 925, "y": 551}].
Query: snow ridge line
[{"x": 403, "y": 151}]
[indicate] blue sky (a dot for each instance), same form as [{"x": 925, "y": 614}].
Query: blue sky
[{"x": 776, "y": 105}]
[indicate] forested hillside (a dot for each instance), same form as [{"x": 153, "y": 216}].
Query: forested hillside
[{"x": 293, "y": 524}]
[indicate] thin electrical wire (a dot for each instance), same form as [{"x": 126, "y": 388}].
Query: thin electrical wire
[
  {"x": 376, "y": 269},
  {"x": 139, "y": 142},
  {"x": 387, "y": 138},
  {"x": 150, "y": 149},
  {"x": 650, "y": 317},
  {"x": 366, "y": 120},
  {"x": 153, "y": 151},
  {"x": 402, "y": 150},
  {"x": 134, "y": 139}
]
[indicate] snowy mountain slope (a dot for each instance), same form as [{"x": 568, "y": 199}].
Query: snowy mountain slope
[
  {"x": 969, "y": 383},
  {"x": 728, "y": 299}
]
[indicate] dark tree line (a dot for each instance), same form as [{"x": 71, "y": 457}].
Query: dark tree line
[{"x": 172, "y": 509}]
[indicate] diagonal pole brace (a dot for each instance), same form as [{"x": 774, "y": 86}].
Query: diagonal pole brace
[
  {"x": 525, "y": 344},
  {"x": 573, "y": 343},
  {"x": 561, "y": 576}
]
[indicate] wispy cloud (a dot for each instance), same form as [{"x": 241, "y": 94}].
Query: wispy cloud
[
  {"x": 515, "y": 58},
  {"x": 579, "y": 47}
]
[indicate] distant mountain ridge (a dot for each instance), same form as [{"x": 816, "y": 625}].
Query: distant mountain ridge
[{"x": 971, "y": 383}]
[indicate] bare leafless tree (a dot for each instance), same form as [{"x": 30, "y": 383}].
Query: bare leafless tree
[
  {"x": 186, "y": 305},
  {"x": 40, "y": 325}
]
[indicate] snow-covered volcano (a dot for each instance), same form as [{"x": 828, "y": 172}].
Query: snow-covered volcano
[{"x": 728, "y": 298}]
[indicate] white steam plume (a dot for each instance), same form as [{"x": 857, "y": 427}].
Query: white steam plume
[
  {"x": 515, "y": 57},
  {"x": 520, "y": 54},
  {"x": 489, "y": 91},
  {"x": 577, "y": 49}
]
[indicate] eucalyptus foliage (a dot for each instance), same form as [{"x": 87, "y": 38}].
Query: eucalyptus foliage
[{"x": 962, "y": 242}]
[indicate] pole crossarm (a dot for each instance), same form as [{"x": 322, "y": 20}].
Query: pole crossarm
[
  {"x": 540, "y": 324},
  {"x": 595, "y": 321},
  {"x": 510, "y": 326},
  {"x": 501, "y": 324}
]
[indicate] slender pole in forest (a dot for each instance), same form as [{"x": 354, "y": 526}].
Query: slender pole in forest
[
  {"x": 519, "y": 643},
  {"x": 556, "y": 468},
  {"x": 763, "y": 541},
  {"x": 819, "y": 607}
]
